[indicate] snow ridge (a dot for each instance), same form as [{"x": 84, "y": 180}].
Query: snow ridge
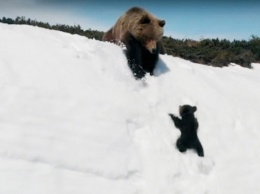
[{"x": 74, "y": 120}]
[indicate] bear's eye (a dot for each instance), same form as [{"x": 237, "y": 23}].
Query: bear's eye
[{"x": 145, "y": 20}]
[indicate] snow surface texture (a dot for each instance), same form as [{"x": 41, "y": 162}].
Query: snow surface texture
[{"x": 74, "y": 120}]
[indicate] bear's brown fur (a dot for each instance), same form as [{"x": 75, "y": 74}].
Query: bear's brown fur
[
  {"x": 141, "y": 24},
  {"x": 141, "y": 32}
]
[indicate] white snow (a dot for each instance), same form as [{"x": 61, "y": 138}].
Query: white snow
[{"x": 74, "y": 120}]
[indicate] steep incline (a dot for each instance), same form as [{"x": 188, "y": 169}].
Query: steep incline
[{"x": 74, "y": 120}]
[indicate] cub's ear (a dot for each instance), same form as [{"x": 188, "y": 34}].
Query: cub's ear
[
  {"x": 180, "y": 109},
  {"x": 194, "y": 108}
]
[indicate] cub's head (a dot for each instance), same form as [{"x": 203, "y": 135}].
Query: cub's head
[
  {"x": 146, "y": 28},
  {"x": 187, "y": 109}
]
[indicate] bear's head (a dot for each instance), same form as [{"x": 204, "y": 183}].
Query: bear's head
[
  {"x": 187, "y": 109},
  {"x": 145, "y": 28}
]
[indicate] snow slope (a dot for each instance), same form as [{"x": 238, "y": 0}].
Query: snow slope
[{"x": 74, "y": 120}]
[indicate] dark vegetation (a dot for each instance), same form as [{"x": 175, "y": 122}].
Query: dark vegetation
[
  {"x": 212, "y": 52},
  {"x": 215, "y": 52},
  {"x": 76, "y": 29}
]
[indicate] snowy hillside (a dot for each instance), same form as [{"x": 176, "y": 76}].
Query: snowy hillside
[{"x": 73, "y": 120}]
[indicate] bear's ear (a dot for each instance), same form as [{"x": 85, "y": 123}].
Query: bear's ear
[
  {"x": 161, "y": 23},
  {"x": 180, "y": 109},
  {"x": 194, "y": 108},
  {"x": 145, "y": 20}
]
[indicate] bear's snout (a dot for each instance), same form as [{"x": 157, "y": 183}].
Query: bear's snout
[{"x": 151, "y": 46}]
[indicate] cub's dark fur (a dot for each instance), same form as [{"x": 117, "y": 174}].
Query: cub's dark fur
[{"x": 188, "y": 126}]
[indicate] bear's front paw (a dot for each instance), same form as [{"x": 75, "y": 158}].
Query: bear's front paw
[{"x": 172, "y": 115}]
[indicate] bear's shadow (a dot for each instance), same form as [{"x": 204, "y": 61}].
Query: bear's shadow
[{"x": 160, "y": 68}]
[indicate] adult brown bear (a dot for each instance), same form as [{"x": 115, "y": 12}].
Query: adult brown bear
[{"x": 141, "y": 33}]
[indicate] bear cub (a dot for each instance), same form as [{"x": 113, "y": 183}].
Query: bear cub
[
  {"x": 141, "y": 33},
  {"x": 188, "y": 126}
]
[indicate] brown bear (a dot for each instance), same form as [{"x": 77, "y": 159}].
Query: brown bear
[{"x": 141, "y": 33}]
